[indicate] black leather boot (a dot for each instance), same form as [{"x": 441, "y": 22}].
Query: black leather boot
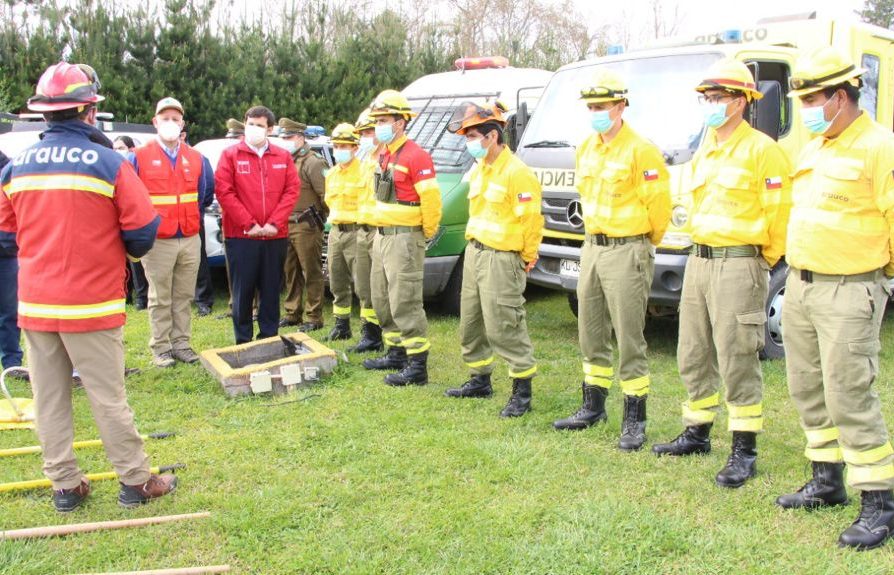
[
  {"x": 633, "y": 430},
  {"x": 520, "y": 400},
  {"x": 395, "y": 358},
  {"x": 694, "y": 439},
  {"x": 477, "y": 386},
  {"x": 415, "y": 372},
  {"x": 740, "y": 465},
  {"x": 370, "y": 339},
  {"x": 874, "y": 525},
  {"x": 826, "y": 489},
  {"x": 591, "y": 412},
  {"x": 341, "y": 329}
]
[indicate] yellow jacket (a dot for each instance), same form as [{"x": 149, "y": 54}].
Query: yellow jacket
[
  {"x": 741, "y": 192},
  {"x": 624, "y": 186},
  {"x": 344, "y": 187},
  {"x": 504, "y": 206},
  {"x": 366, "y": 202},
  {"x": 843, "y": 215}
]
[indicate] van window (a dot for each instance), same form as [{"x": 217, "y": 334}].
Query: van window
[
  {"x": 869, "y": 91},
  {"x": 429, "y": 130}
]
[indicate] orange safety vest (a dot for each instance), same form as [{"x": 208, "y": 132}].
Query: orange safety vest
[{"x": 174, "y": 191}]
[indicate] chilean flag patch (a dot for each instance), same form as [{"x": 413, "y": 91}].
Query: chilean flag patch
[
  {"x": 773, "y": 183},
  {"x": 650, "y": 175},
  {"x": 525, "y": 197}
]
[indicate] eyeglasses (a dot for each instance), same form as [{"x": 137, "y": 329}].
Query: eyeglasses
[
  {"x": 715, "y": 99},
  {"x": 803, "y": 83}
]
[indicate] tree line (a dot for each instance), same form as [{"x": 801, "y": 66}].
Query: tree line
[{"x": 318, "y": 61}]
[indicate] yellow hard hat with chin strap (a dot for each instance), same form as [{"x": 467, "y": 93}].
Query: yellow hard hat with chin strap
[
  {"x": 605, "y": 86},
  {"x": 821, "y": 69},
  {"x": 731, "y": 75}
]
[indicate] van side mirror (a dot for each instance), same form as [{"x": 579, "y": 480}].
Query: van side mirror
[
  {"x": 521, "y": 120},
  {"x": 766, "y": 113}
]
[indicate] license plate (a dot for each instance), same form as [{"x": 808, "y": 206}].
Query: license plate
[{"x": 570, "y": 268}]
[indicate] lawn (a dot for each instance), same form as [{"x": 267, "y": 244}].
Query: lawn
[{"x": 363, "y": 478}]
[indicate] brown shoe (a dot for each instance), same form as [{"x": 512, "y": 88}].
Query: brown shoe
[
  {"x": 135, "y": 495},
  {"x": 65, "y": 500},
  {"x": 186, "y": 355}
]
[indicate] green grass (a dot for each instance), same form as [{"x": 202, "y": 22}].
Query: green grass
[{"x": 364, "y": 478}]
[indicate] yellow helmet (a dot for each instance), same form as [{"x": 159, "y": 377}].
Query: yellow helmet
[
  {"x": 606, "y": 86},
  {"x": 345, "y": 133},
  {"x": 469, "y": 114},
  {"x": 391, "y": 103},
  {"x": 364, "y": 121},
  {"x": 822, "y": 69},
  {"x": 730, "y": 74}
]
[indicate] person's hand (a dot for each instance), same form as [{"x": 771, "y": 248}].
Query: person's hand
[
  {"x": 530, "y": 265},
  {"x": 269, "y": 230},
  {"x": 255, "y": 231}
]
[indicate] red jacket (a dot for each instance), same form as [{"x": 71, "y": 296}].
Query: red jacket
[
  {"x": 256, "y": 190},
  {"x": 174, "y": 191}
]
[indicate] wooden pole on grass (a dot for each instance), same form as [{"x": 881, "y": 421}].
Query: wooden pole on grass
[{"x": 56, "y": 530}]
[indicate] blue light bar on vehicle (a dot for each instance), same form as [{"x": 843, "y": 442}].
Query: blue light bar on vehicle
[
  {"x": 731, "y": 36},
  {"x": 614, "y": 50},
  {"x": 314, "y": 131}
]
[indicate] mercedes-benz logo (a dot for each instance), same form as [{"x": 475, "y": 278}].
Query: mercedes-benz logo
[{"x": 575, "y": 214}]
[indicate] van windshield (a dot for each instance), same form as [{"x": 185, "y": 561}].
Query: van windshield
[{"x": 663, "y": 104}]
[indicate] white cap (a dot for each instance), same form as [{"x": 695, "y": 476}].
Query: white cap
[{"x": 168, "y": 104}]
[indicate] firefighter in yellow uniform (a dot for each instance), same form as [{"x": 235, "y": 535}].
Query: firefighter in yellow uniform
[
  {"x": 840, "y": 249},
  {"x": 408, "y": 211},
  {"x": 370, "y": 331},
  {"x": 625, "y": 196},
  {"x": 504, "y": 231},
  {"x": 741, "y": 200},
  {"x": 344, "y": 190}
]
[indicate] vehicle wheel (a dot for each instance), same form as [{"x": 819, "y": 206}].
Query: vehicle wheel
[
  {"x": 452, "y": 296},
  {"x": 572, "y": 303},
  {"x": 773, "y": 348}
]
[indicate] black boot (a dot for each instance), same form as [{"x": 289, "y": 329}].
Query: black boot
[
  {"x": 740, "y": 464},
  {"x": 875, "y": 523},
  {"x": 394, "y": 359},
  {"x": 520, "y": 400},
  {"x": 370, "y": 339},
  {"x": 826, "y": 489},
  {"x": 415, "y": 372},
  {"x": 477, "y": 386},
  {"x": 694, "y": 439},
  {"x": 591, "y": 411},
  {"x": 633, "y": 430},
  {"x": 341, "y": 329}
]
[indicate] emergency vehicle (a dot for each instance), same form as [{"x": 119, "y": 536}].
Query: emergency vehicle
[
  {"x": 434, "y": 98},
  {"x": 664, "y": 108}
]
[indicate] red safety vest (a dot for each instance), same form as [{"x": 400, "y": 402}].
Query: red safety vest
[{"x": 174, "y": 191}]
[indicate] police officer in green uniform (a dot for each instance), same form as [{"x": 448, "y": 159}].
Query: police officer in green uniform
[{"x": 304, "y": 257}]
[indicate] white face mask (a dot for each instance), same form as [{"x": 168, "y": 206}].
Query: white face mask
[
  {"x": 290, "y": 146},
  {"x": 168, "y": 131},
  {"x": 123, "y": 152},
  {"x": 255, "y": 135}
]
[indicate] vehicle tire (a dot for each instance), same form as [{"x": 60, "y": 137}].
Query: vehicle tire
[
  {"x": 572, "y": 303},
  {"x": 773, "y": 348},
  {"x": 452, "y": 296}
]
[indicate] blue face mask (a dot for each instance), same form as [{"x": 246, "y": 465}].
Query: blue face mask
[
  {"x": 384, "y": 133},
  {"x": 366, "y": 145},
  {"x": 715, "y": 114},
  {"x": 476, "y": 150},
  {"x": 342, "y": 156},
  {"x": 601, "y": 121},
  {"x": 815, "y": 119}
]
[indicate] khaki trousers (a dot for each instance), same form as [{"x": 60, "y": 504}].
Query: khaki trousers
[
  {"x": 722, "y": 322},
  {"x": 613, "y": 292},
  {"x": 304, "y": 273},
  {"x": 172, "y": 266},
  {"x": 363, "y": 273},
  {"x": 397, "y": 268},
  {"x": 341, "y": 258},
  {"x": 492, "y": 312},
  {"x": 98, "y": 357},
  {"x": 831, "y": 362}
]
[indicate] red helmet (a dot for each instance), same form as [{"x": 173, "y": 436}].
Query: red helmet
[{"x": 64, "y": 86}]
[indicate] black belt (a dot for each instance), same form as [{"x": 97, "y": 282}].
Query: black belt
[
  {"x": 481, "y": 246},
  {"x": 391, "y": 230},
  {"x": 808, "y": 276},
  {"x": 710, "y": 252},
  {"x": 346, "y": 227},
  {"x": 407, "y": 203},
  {"x": 604, "y": 240}
]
